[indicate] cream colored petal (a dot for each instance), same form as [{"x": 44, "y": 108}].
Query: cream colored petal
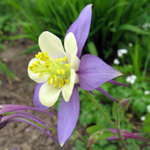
[
  {"x": 76, "y": 64},
  {"x": 35, "y": 76},
  {"x": 70, "y": 47},
  {"x": 48, "y": 95},
  {"x": 52, "y": 44},
  {"x": 68, "y": 89}
]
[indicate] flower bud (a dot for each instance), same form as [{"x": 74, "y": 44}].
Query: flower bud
[
  {"x": 124, "y": 103},
  {"x": 93, "y": 139}
]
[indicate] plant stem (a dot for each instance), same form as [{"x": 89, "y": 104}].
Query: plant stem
[
  {"x": 107, "y": 118},
  {"x": 83, "y": 141},
  {"x": 118, "y": 122}
]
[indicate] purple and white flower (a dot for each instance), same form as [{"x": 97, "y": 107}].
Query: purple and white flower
[{"x": 61, "y": 71}]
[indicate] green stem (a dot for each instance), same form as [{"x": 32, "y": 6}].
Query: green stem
[
  {"x": 83, "y": 141},
  {"x": 107, "y": 118},
  {"x": 118, "y": 122}
]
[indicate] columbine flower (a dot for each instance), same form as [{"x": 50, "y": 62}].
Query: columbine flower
[
  {"x": 60, "y": 71},
  {"x": 17, "y": 113},
  {"x": 121, "y": 52},
  {"x": 128, "y": 135},
  {"x": 147, "y": 92},
  {"x": 143, "y": 118},
  {"x": 116, "y": 61},
  {"x": 131, "y": 79}
]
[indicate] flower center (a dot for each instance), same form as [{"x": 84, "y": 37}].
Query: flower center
[{"x": 58, "y": 70}]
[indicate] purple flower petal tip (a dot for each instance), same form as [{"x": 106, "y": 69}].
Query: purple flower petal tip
[
  {"x": 117, "y": 83},
  {"x": 93, "y": 72},
  {"x": 81, "y": 27},
  {"x": 68, "y": 114},
  {"x": 36, "y": 100}
]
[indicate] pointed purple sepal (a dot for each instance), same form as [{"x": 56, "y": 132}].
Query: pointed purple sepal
[
  {"x": 68, "y": 114},
  {"x": 36, "y": 97},
  {"x": 117, "y": 83},
  {"x": 81, "y": 27},
  {"x": 93, "y": 72},
  {"x": 105, "y": 93}
]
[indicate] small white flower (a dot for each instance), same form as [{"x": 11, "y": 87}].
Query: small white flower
[
  {"x": 147, "y": 92},
  {"x": 130, "y": 45},
  {"x": 121, "y": 52},
  {"x": 131, "y": 79},
  {"x": 143, "y": 118},
  {"x": 134, "y": 77},
  {"x": 128, "y": 79},
  {"x": 148, "y": 108},
  {"x": 116, "y": 61},
  {"x": 145, "y": 26}
]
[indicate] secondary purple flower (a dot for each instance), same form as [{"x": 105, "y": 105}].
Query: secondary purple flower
[
  {"x": 60, "y": 71},
  {"x": 17, "y": 113},
  {"x": 128, "y": 135}
]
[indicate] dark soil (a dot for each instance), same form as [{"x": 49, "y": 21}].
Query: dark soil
[{"x": 21, "y": 135}]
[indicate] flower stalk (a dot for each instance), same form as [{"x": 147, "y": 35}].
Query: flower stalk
[{"x": 107, "y": 118}]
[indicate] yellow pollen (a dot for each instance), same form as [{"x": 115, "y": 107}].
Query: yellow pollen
[
  {"x": 67, "y": 81},
  {"x": 67, "y": 65},
  {"x": 62, "y": 71},
  {"x": 61, "y": 82},
  {"x": 58, "y": 70},
  {"x": 41, "y": 75},
  {"x": 65, "y": 58},
  {"x": 50, "y": 81}
]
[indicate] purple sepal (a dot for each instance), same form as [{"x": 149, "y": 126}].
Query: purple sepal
[
  {"x": 117, "y": 83},
  {"x": 128, "y": 135},
  {"x": 68, "y": 114},
  {"x": 3, "y": 124},
  {"x": 93, "y": 72},
  {"x": 81, "y": 27},
  {"x": 105, "y": 93},
  {"x": 36, "y": 97},
  {"x": 32, "y": 124},
  {"x": 11, "y": 108}
]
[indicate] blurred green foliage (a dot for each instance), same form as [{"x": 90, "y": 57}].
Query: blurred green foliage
[{"x": 112, "y": 20}]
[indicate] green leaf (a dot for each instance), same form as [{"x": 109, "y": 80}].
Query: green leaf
[
  {"x": 92, "y": 48},
  {"x": 120, "y": 113},
  {"x": 114, "y": 110},
  {"x": 94, "y": 128},
  {"x": 2, "y": 47},
  {"x": 133, "y": 28},
  {"x": 20, "y": 36},
  {"x": 4, "y": 68},
  {"x": 31, "y": 49}
]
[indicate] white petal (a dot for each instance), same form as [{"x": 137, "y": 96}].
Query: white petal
[
  {"x": 35, "y": 76},
  {"x": 76, "y": 64},
  {"x": 52, "y": 44},
  {"x": 48, "y": 95},
  {"x": 70, "y": 47},
  {"x": 68, "y": 89}
]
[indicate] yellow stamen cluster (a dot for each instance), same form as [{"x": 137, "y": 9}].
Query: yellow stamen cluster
[{"x": 58, "y": 70}]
